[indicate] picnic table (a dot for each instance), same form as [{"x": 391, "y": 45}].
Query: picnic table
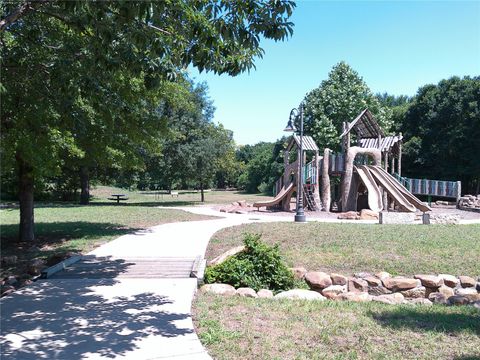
[{"x": 118, "y": 197}]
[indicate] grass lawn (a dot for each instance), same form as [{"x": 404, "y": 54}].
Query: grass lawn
[
  {"x": 67, "y": 227},
  {"x": 348, "y": 248},
  {"x": 244, "y": 328},
  {"x": 185, "y": 197}
]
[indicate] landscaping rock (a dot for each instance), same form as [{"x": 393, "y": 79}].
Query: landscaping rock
[
  {"x": 415, "y": 293},
  {"x": 265, "y": 293},
  {"x": 400, "y": 283},
  {"x": 449, "y": 280},
  {"x": 395, "y": 298},
  {"x": 476, "y": 304},
  {"x": 437, "y": 298},
  {"x": 221, "y": 258},
  {"x": 418, "y": 301},
  {"x": 373, "y": 281},
  {"x": 333, "y": 291},
  {"x": 349, "y": 215},
  {"x": 383, "y": 275},
  {"x": 362, "y": 275},
  {"x": 458, "y": 300},
  {"x": 36, "y": 266},
  {"x": 219, "y": 289},
  {"x": 431, "y": 281},
  {"x": 338, "y": 279},
  {"x": 6, "y": 290},
  {"x": 445, "y": 290},
  {"x": 300, "y": 294},
  {"x": 378, "y": 290},
  {"x": 9, "y": 260},
  {"x": 25, "y": 282},
  {"x": 355, "y": 296},
  {"x": 467, "y": 281},
  {"x": 466, "y": 291},
  {"x": 243, "y": 203},
  {"x": 247, "y": 292},
  {"x": 11, "y": 280},
  {"x": 299, "y": 272},
  {"x": 367, "y": 214},
  {"x": 357, "y": 285},
  {"x": 318, "y": 280}
]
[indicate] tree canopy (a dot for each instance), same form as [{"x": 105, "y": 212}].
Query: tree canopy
[
  {"x": 442, "y": 128},
  {"x": 341, "y": 97},
  {"x": 82, "y": 81}
]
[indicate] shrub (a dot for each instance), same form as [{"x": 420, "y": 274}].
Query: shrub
[
  {"x": 259, "y": 266},
  {"x": 264, "y": 188}
]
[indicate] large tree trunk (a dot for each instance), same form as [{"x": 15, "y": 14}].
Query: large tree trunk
[
  {"x": 84, "y": 185},
  {"x": 202, "y": 195},
  {"x": 25, "y": 195}
]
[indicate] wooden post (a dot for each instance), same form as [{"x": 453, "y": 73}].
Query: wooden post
[
  {"x": 386, "y": 161},
  {"x": 392, "y": 165},
  {"x": 400, "y": 156},
  {"x": 459, "y": 190},
  {"x": 325, "y": 193}
]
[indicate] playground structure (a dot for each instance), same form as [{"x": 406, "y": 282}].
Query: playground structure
[{"x": 369, "y": 172}]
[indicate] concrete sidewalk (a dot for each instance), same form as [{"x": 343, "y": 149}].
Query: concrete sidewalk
[{"x": 113, "y": 317}]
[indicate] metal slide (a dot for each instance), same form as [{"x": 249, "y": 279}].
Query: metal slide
[
  {"x": 374, "y": 195},
  {"x": 277, "y": 199},
  {"x": 397, "y": 191}
]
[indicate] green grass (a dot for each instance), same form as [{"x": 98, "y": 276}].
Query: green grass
[
  {"x": 185, "y": 197},
  {"x": 68, "y": 227},
  {"x": 334, "y": 330},
  {"x": 348, "y": 248}
]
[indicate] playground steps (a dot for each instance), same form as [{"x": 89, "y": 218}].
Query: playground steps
[{"x": 312, "y": 204}]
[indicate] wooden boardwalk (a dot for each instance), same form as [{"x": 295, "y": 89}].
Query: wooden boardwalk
[{"x": 92, "y": 267}]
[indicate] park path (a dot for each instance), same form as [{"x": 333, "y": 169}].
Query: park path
[{"x": 128, "y": 299}]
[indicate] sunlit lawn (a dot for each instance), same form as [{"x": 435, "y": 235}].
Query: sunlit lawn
[
  {"x": 348, "y": 248},
  {"x": 244, "y": 328}
]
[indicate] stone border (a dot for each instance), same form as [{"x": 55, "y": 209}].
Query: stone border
[{"x": 382, "y": 287}]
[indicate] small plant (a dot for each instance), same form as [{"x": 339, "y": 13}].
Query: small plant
[{"x": 259, "y": 266}]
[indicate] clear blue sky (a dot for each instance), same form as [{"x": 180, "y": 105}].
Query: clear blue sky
[{"x": 395, "y": 46}]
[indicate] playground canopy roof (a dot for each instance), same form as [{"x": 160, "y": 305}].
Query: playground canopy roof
[
  {"x": 365, "y": 126},
  {"x": 308, "y": 143},
  {"x": 387, "y": 144}
]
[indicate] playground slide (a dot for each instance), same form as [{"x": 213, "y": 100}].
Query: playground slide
[
  {"x": 401, "y": 195},
  {"x": 420, "y": 205},
  {"x": 277, "y": 199},
  {"x": 374, "y": 194}
]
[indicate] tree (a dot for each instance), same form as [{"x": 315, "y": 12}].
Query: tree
[
  {"x": 442, "y": 128},
  {"x": 340, "y": 98},
  {"x": 263, "y": 165},
  {"x": 117, "y": 43}
]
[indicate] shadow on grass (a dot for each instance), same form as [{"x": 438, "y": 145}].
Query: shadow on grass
[
  {"x": 58, "y": 232},
  {"x": 147, "y": 203},
  {"x": 431, "y": 319},
  {"x": 64, "y": 319}
]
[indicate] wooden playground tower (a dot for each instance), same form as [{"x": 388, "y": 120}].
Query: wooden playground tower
[{"x": 366, "y": 172}]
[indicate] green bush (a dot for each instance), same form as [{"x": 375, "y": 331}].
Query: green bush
[{"x": 259, "y": 266}]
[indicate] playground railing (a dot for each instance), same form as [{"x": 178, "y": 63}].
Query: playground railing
[
  {"x": 335, "y": 164},
  {"x": 441, "y": 188},
  {"x": 310, "y": 173}
]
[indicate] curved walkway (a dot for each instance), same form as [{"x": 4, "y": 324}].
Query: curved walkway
[{"x": 110, "y": 311}]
